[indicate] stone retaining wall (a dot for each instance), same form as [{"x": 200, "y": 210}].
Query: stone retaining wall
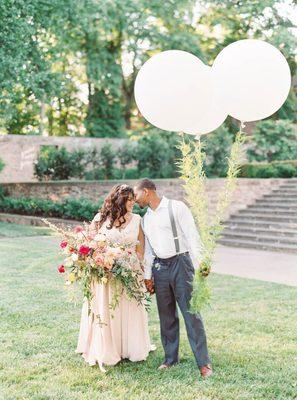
[
  {"x": 19, "y": 152},
  {"x": 246, "y": 192}
]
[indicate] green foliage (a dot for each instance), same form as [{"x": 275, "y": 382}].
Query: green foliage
[
  {"x": 108, "y": 159},
  {"x": 79, "y": 209},
  {"x": 50, "y": 50},
  {"x": 217, "y": 147},
  {"x": 156, "y": 154},
  {"x": 58, "y": 164},
  {"x": 275, "y": 169},
  {"x": 126, "y": 157},
  {"x": 192, "y": 173},
  {"x": 3, "y": 192},
  {"x": 2, "y": 165},
  {"x": 273, "y": 140}
]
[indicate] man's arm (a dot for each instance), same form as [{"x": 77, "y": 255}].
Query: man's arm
[
  {"x": 189, "y": 229},
  {"x": 148, "y": 263},
  {"x": 148, "y": 259}
]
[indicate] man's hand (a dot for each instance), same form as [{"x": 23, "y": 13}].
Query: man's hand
[
  {"x": 204, "y": 269},
  {"x": 149, "y": 284}
]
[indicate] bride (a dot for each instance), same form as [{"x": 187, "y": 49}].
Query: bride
[{"x": 122, "y": 332}]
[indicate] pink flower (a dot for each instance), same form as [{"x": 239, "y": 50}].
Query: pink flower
[
  {"x": 84, "y": 250},
  {"x": 78, "y": 229},
  {"x": 61, "y": 269},
  {"x": 99, "y": 260},
  {"x": 63, "y": 244}
]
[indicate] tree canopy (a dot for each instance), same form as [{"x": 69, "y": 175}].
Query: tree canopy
[{"x": 67, "y": 67}]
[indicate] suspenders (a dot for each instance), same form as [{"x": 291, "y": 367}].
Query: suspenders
[{"x": 173, "y": 227}]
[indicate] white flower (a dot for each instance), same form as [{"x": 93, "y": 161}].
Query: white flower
[
  {"x": 68, "y": 262},
  {"x": 100, "y": 237},
  {"x": 74, "y": 257}
]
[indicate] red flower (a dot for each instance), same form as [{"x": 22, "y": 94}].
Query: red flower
[
  {"x": 63, "y": 244},
  {"x": 78, "y": 229},
  {"x": 61, "y": 269},
  {"x": 84, "y": 250}
]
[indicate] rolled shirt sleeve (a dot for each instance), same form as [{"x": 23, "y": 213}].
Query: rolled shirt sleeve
[
  {"x": 187, "y": 224},
  {"x": 149, "y": 255},
  {"x": 148, "y": 259}
]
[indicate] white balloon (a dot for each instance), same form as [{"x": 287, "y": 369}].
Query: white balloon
[
  {"x": 253, "y": 78},
  {"x": 212, "y": 119},
  {"x": 173, "y": 89}
]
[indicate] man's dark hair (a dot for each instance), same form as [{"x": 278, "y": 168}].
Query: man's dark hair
[{"x": 146, "y": 184}]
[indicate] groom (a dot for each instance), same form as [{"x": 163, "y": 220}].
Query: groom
[{"x": 172, "y": 249}]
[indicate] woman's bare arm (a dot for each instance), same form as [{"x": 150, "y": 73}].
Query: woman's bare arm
[
  {"x": 93, "y": 228},
  {"x": 140, "y": 245}
]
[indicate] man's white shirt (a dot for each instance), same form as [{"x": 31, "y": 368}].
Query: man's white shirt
[{"x": 159, "y": 236}]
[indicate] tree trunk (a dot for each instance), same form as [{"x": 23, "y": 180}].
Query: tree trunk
[{"x": 42, "y": 131}]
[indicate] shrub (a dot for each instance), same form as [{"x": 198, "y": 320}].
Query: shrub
[
  {"x": 126, "y": 156},
  {"x": 156, "y": 155},
  {"x": 2, "y": 165},
  {"x": 217, "y": 148},
  {"x": 58, "y": 164},
  {"x": 3, "y": 192},
  {"x": 107, "y": 160},
  {"x": 273, "y": 140},
  {"x": 275, "y": 169},
  {"x": 78, "y": 209}
]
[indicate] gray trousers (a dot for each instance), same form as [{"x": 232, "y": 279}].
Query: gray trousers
[{"x": 173, "y": 279}]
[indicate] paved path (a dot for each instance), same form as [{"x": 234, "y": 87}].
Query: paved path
[{"x": 257, "y": 264}]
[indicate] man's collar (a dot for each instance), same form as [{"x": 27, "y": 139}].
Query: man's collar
[{"x": 163, "y": 204}]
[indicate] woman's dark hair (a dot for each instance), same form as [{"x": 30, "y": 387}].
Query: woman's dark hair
[{"x": 114, "y": 206}]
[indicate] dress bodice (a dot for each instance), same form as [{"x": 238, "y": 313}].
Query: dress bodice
[{"x": 127, "y": 234}]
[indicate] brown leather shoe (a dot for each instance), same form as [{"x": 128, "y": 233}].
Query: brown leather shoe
[
  {"x": 206, "y": 371},
  {"x": 163, "y": 367}
]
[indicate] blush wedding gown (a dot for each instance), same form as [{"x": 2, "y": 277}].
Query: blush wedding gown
[{"x": 123, "y": 332}]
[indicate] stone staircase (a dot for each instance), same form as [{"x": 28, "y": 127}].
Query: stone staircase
[{"x": 268, "y": 224}]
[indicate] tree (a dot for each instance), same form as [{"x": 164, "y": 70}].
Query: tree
[
  {"x": 25, "y": 66},
  {"x": 273, "y": 140},
  {"x": 225, "y": 21}
]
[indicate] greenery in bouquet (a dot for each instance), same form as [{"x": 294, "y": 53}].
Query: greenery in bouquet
[{"x": 90, "y": 258}]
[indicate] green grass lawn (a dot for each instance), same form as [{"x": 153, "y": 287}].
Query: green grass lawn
[
  {"x": 251, "y": 334},
  {"x": 14, "y": 230}
]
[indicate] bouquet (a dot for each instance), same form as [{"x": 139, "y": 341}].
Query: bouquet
[{"x": 92, "y": 258}]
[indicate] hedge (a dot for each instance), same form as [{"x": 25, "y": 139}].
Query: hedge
[
  {"x": 275, "y": 169},
  {"x": 78, "y": 209}
]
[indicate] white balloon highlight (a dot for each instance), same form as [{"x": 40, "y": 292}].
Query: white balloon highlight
[
  {"x": 173, "y": 90},
  {"x": 253, "y": 78}
]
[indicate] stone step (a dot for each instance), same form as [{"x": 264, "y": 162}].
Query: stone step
[
  {"x": 268, "y": 210},
  {"x": 286, "y": 191},
  {"x": 260, "y": 238},
  {"x": 276, "y": 201},
  {"x": 280, "y": 196},
  {"x": 247, "y": 223},
  {"x": 265, "y": 218},
  {"x": 280, "y": 205},
  {"x": 259, "y": 231},
  {"x": 287, "y": 186},
  {"x": 290, "y": 182},
  {"x": 261, "y": 246}
]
